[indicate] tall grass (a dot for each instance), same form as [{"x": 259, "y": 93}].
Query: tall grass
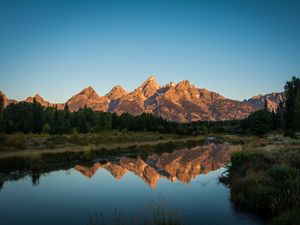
[{"x": 267, "y": 182}]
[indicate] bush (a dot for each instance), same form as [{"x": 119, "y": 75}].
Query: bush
[
  {"x": 264, "y": 182},
  {"x": 290, "y": 217},
  {"x": 259, "y": 122}
]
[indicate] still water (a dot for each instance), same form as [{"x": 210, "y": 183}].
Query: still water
[{"x": 185, "y": 182}]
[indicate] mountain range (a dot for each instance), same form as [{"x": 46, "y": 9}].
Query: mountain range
[{"x": 181, "y": 102}]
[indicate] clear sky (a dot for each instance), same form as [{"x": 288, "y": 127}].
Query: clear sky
[{"x": 237, "y": 48}]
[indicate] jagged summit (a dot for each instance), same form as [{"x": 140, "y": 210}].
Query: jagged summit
[
  {"x": 116, "y": 92},
  {"x": 149, "y": 86},
  {"x": 88, "y": 97},
  {"x": 89, "y": 92},
  {"x": 170, "y": 84},
  {"x": 42, "y": 101},
  {"x": 183, "y": 85},
  {"x": 37, "y": 97},
  {"x": 6, "y": 101},
  {"x": 3, "y": 95}
]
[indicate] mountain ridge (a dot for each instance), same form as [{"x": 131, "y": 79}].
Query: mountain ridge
[
  {"x": 181, "y": 102},
  {"x": 273, "y": 99}
]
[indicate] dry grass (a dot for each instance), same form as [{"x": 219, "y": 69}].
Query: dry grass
[{"x": 264, "y": 176}]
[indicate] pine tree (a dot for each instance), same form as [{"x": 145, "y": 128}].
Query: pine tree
[
  {"x": 1, "y": 114},
  {"x": 296, "y": 122},
  {"x": 37, "y": 117},
  {"x": 1, "y": 103},
  {"x": 107, "y": 121},
  {"x": 280, "y": 120},
  {"x": 266, "y": 108},
  {"x": 291, "y": 89}
]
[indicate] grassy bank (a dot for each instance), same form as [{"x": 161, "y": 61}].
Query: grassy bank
[
  {"x": 33, "y": 145},
  {"x": 264, "y": 177},
  {"x": 86, "y": 148}
]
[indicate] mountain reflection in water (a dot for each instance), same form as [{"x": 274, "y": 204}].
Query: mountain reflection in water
[{"x": 183, "y": 164}]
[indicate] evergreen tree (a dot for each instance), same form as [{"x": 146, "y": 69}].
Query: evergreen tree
[
  {"x": 266, "y": 108},
  {"x": 280, "y": 120},
  {"x": 1, "y": 114},
  {"x": 107, "y": 121},
  {"x": 296, "y": 122},
  {"x": 37, "y": 117},
  {"x": 1, "y": 103},
  {"x": 259, "y": 122},
  {"x": 291, "y": 89},
  {"x": 67, "y": 122}
]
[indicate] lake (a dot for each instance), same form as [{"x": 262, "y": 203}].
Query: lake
[{"x": 128, "y": 188}]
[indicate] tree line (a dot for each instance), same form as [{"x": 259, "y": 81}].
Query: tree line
[
  {"x": 286, "y": 117},
  {"x": 33, "y": 118}
]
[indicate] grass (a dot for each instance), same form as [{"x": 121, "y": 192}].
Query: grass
[
  {"x": 264, "y": 177},
  {"x": 39, "y": 160},
  {"x": 24, "y": 144}
]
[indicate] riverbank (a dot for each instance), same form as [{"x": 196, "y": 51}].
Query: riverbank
[
  {"x": 33, "y": 144},
  {"x": 264, "y": 177}
]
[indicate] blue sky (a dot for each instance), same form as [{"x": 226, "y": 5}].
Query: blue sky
[{"x": 57, "y": 48}]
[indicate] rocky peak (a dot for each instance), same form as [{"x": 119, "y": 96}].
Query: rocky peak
[
  {"x": 3, "y": 96},
  {"x": 170, "y": 84},
  {"x": 272, "y": 100},
  {"x": 209, "y": 96},
  {"x": 89, "y": 93},
  {"x": 37, "y": 97},
  {"x": 183, "y": 85},
  {"x": 40, "y": 100},
  {"x": 88, "y": 97},
  {"x": 259, "y": 96},
  {"x": 6, "y": 100},
  {"x": 116, "y": 92},
  {"x": 149, "y": 87},
  {"x": 184, "y": 88}
]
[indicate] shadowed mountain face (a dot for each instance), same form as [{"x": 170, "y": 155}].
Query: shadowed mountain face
[
  {"x": 183, "y": 164},
  {"x": 182, "y": 102}
]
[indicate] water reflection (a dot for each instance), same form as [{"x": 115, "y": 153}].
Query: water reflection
[
  {"x": 183, "y": 164},
  {"x": 116, "y": 183}
]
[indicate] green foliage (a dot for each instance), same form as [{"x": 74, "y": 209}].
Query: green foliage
[
  {"x": 46, "y": 128},
  {"x": 290, "y": 217},
  {"x": 1, "y": 103},
  {"x": 286, "y": 117},
  {"x": 37, "y": 117},
  {"x": 259, "y": 122},
  {"x": 296, "y": 123},
  {"x": 1, "y": 114},
  {"x": 292, "y": 88},
  {"x": 279, "y": 117},
  {"x": 266, "y": 183}
]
